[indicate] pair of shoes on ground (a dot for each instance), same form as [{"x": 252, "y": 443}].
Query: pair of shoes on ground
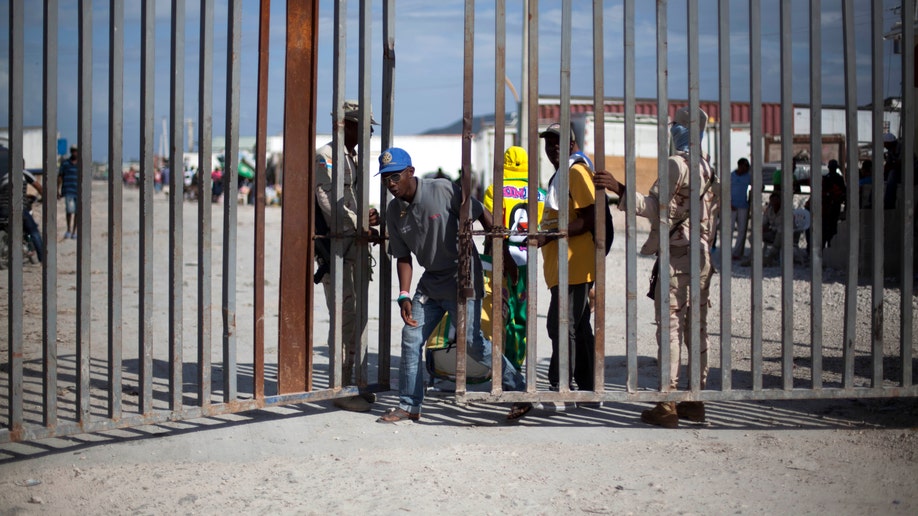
[
  {"x": 668, "y": 414},
  {"x": 396, "y": 415},
  {"x": 362, "y": 402},
  {"x": 68, "y": 234}
]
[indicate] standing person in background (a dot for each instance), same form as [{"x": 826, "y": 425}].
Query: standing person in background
[
  {"x": 833, "y": 197},
  {"x": 68, "y": 183},
  {"x": 346, "y": 227},
  {"x": 581, "y": 266},
  {"x": 516, "y": 219},
  {"x": 739, "y": 205},
  {"x": 667, "y": 414},
  {"x": 423, "y": 220}
]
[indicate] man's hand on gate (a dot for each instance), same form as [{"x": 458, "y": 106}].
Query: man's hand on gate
[{"x": 374, "y": 217}]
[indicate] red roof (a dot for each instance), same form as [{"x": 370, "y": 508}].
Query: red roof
[{"x": 740, "y": 111}]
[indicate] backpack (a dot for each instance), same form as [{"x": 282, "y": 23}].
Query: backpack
[
  {"x": 579, "y": 157},
  {"x": 440, "y": 356}
]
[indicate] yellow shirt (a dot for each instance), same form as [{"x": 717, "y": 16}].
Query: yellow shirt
[{"x": 581, "y": 252}]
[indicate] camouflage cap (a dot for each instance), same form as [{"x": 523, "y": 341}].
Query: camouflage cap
[{"x": 352, "y": 112}]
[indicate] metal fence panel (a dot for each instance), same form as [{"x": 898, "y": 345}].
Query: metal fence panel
[{"x": 125, "y": 387}]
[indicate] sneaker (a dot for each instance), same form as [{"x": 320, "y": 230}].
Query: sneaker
[
  {"x": 691, "y": 410},
  {"x": 73, "y": 235},
  {"x": 663, "y": 414},
  {"x": 353, "y": 404},
  {"x": 66, "y": 234}
]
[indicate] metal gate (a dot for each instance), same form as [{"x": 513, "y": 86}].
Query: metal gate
[{"x": 153, "y": 359}]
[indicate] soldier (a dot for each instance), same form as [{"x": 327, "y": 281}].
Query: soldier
[
  {"x": 667, "y": 414},
  {"x": 346, "y": 226}
]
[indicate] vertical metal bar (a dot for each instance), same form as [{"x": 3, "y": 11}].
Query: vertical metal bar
[
  {"x": 230, "y": 188},
  {"x": 631, "y": 306},
  {"x": 852, "y": 209},
  {"x": 15, "y": 358},
  {"x": 522, "y": 136},
  {"x": 385, "y": 261},
  {"x": 787, "y": 204},
  {"x": 339, "y": 76},
  {"x": 599, "y": 157},
  {"x": 815, "y": 241},
  {"x": 906, "y": 331},
  {"x": 531, "y": 20},
  {"x": 205, "y": 209},
  {"x": 261, "y": 135},
  {"x": 84, "y": 212},
  {"x": 755, "y": 204},
  {"x": 362, "y": 277},
  {"x": 564, "y": 201},
  {"x": 694, "y": 337},
  {"x": 662, "y": 304},
  {"x": 49, "y": 214},
  {"x": 145, "y": 306},
  {"x": 176, "y": 165},
  {"x": 497, "y": 269},
  {"x": 115, "y": 136},
  {"x": 464, "y": 223},
  {"x": 876, "y": 194},
  {"x": 296, "y": 288},
  {"x": 724, "y": 162}
]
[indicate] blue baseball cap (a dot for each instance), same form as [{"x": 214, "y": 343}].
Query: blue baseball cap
[{"x": 393, "y": 160}]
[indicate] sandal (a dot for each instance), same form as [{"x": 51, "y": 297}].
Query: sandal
[
  {"x": 518, "y": 410},
  {"x": 394, "y": 415}
]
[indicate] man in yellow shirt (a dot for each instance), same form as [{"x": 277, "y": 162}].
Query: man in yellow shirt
[{"x": 580, "y": 259}]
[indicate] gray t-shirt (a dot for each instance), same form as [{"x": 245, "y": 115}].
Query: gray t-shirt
[{"x": 428, "y": 227}]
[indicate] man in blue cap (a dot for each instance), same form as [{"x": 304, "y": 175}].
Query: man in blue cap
[{"x": 423, "y": 219}]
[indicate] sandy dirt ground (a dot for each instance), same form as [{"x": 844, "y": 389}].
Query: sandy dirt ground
[{"x": 818, "y": 456}]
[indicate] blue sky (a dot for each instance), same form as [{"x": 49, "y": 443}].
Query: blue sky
[{"x": 429, "y": 59}]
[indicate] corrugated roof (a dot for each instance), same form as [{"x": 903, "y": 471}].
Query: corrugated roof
[{"x": 739, "y": 111}]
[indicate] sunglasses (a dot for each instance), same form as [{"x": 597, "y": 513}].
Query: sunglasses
[{"x": 392, "y": 178}]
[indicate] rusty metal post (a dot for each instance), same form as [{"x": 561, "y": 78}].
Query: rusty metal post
[
  {"x": 115, "y": 185},
  {"x": 599, "y": 160},
  {"x": 297, "y": 252},
  {"x": 465, "y": 225},
  {"x": 497, "y": 241},
  {"x": 261, "y": 132},
  {"x": 205, "y": 217}
]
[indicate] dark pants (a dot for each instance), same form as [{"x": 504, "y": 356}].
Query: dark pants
[
  {"x": 580, "y": 337},
  {"x": 31, "y": 229}
]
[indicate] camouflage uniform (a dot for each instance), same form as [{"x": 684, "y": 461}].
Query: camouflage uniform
[
  {"x": 347, "y": 219},
  {"x": 679, "y": 267}
]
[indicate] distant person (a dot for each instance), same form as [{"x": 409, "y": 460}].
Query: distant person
[
  {"x": 516, "y": 219},
  {"x": 667, "y": 414},
  {"x": 892, "y": 171},
  {"x": 771, "y": 230},
  {"x": 833, "y": 197},
  {"x": 68, "y": 184},
  {"x": 346, "y": 226},
  {"x": 581, "y": 263},
  {"x": 739, "y": 205},
  {"x": 423, "y": 220},
  {"x": 865, "y": 184}
]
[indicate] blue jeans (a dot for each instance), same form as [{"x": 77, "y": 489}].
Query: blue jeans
[
  {"x": 31, "y": 229},
  {"x": 428, "y": 313}
]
